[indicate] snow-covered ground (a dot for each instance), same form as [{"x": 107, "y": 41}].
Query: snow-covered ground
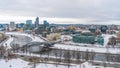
[
  {"x": 8, "y": 42},
  {"x": 54, "y": 66},
  {"x": 106, "y": 38},
  {"x": 89, "y": 65},
  {"x": 13, "y": 63},
  {"x": 18, "y": 63},
  {"x": 34, "y": 38},
  {"x": 54, "y": 57},
  {"x": 86, "y": 65},
  {"x": 90, "y": 49}
]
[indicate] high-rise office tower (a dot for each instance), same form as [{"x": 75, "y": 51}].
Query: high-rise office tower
[
  {"x": 37, "y": 22},
  {"x": 12, "y": 26},
  {"x": 28, "y": 23}
]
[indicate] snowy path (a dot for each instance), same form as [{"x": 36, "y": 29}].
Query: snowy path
[
  {"x": 13, "y": 63},
  {"x": 90, "y": 49},
  {"x": 8, "y": 42},
  {"x": 18, "y": 63},
  {"x": 54, "y": 66}
]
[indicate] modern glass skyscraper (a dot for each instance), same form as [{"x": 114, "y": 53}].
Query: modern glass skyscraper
[
  {"x": 28, "y": 22},
  {"x": 37, "y": 22}
]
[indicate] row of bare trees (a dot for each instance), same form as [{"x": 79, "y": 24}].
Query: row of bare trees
[{"x": 70, "y": 56}]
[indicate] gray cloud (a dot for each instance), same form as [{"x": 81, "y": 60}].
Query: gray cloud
[{"x": 96, "y": 10}]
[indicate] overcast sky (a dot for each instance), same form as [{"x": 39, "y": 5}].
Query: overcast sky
[{"x": 61, "y": 11}]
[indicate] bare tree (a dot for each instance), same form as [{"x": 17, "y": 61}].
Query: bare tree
[
  {"x": 78, "y": 57},
  {"x": 17, "y": 47},
  {"x": 56, "y": 55},
  {"x": 34, "y": 62},
  {"x": 87, "y": 55},
  {"x": 92, "y": 56},
  {"x": 26, "y": 49},
  {"x": 67, "y": 57},
  {"x": 60, "y": 54},
  {"x": 73, "y": 54},
  {"x": 0, "y": 52}
]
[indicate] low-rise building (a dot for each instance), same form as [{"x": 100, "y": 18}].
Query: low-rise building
[
  {"x": 84, "y": 37},
  {"x": 53, "y": 36}
]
